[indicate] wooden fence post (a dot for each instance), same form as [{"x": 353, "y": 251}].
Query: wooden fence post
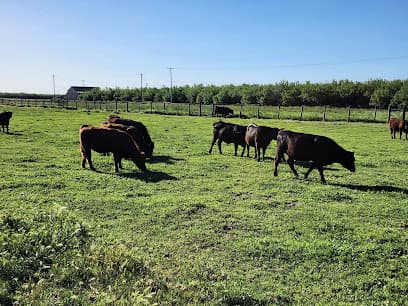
[
  {"x": 76, "y": 104},
  {"x": 116, "y": 104},
  {"x": 257, "y": 112},
  {"x": 189, "y": 108},
  {"x": 279, "y": 111},
  {"x": 389, "y": 113},
  {"x": 348, "y": 113},
  {"x": 213, "y": 110},
  {"x": 151, "y": 107},
  {"x": 164, "y": 107},
  {"x": 403, "y": 112},
  {"x": 127, "y": 105},
  {"x": 324, "y": 113},
  {"x": 200, "y": 110},
  {"x": 301, "y": 113},
  {"x": 87, "y": 105},
  {"x": 240, "y": 110},
  {"x": 375, "y": 112}
]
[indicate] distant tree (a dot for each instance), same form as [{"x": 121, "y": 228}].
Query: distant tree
[{"x": 401, "y": 96}]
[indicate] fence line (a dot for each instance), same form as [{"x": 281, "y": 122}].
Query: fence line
[{"x": 302, "y": 113}]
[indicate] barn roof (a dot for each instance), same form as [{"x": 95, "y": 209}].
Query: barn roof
[{"x": 82, "y": 88}]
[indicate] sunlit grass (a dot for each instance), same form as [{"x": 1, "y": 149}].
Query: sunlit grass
[{"x": 207, "y": 229}]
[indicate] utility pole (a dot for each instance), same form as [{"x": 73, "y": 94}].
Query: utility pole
[
  {"x": 53, "y": 84},
  {"x": 141, "y": 86},
  {"x": 171, "y": 83}
]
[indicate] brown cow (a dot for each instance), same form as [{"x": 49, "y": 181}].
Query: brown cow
[
  {"x": 398, "y": 125},
  {"x": 5, "y": 120},
  {"x": 229, "y": 133},
  {"x": 260, "y": 137},
  {"x": 106, "y": 140},
  {"x": 320, "y": 150},
  {"x": 141, "y": 131}
]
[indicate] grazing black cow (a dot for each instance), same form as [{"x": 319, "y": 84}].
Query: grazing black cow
[
  {"x": 398, "y": 125},
  {"x": 222, "y": 111},
  {"x": 260, "y": 137},
  {"x": 229, "y": 133},
  {"x": 320, "y": 150},
  {"x": 141, "y": 131},
  {"x": 5, "y": 120}
]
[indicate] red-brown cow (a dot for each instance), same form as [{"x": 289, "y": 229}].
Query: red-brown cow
[
  {"x": 398, "y": 125},
  {"x": 106, "y": 140},
  {"x": 260, "y": 137}
]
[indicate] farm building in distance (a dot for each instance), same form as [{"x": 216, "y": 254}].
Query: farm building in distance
[{"x": 74, "y": 91}]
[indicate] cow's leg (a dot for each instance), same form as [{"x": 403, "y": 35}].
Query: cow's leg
[
  {"x": 312, "y": 166},
  {"x": 263, "y": 154},
  {"x": 116, "y": 160},
  {"x": 320, "y": 168},
  {"x": 219, "y": 146},
  {"x": 400, "y": 133},
  {"x": 235, "y": 148},
  {"x": 83, "y": 158},
  {"x": 291, "y": 163},
  {"x": 276, "y": 163},
  {"x": 247, "y": 147},
  {"x": 243, "y": 151},
  {"x": 212, "y": 143},
  {"x": 258, "y": 152},
  {"x": 88, "y": 155}
]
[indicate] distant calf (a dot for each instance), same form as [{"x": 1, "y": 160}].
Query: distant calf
[
  {"x": 222, "y": 111},
  {"x": 229, "y": 133},
  {"x": 398, "y": 125},
  {"x": 320, "y": 150},
  {"x": 106, "y": 140},
  {"x": 141, "y": 132},
  {"x": 259, "y": 137},
  {"x": 5, "y": 120}
]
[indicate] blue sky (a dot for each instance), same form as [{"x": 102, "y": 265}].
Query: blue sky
[{"x": 109, "y": 43}]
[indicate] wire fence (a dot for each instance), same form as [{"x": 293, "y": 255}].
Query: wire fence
[{"x": 306, "y": 113}]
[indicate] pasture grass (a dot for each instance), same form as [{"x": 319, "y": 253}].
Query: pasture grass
[{"x": 198, "y": 228}]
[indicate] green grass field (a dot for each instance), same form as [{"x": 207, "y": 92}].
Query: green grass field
[{"x": 198, "y": 229}]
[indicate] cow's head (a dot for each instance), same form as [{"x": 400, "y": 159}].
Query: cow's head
[{"x": 349, "y": 161}]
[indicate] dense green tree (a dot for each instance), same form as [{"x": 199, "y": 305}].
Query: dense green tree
[{"x": 401, "y": 96}]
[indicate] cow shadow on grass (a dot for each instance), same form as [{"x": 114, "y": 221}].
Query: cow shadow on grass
[
  {"x": 14, "y": 133},
  {"x": 149, "y": 176},
  {"x": 376, "y": 188},
  {"x": 166, "y": 159}
]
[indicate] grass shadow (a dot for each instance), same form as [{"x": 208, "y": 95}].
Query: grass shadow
[
  {"x": 149, "y": 176},
  {"x": 376, "y": 188},
  {"x": 164, "y": 159},
  {"x": 14, "y": 133}
]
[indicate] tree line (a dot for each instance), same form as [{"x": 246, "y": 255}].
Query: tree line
[
  {"x": 380, "y": 93},
  {"x": 343, "y": 93}
]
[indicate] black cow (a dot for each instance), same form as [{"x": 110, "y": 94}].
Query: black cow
[
  {"x": 320, "y": 150},
  {"x": 222, "y": 111},
  {"x": 141, "y": 131},
  {"x": 5, "y": 120},
  {"x": 229, "y": 133},
  {"x": 260, "y": 137}
]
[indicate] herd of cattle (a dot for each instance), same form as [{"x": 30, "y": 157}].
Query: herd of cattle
[
  {"x": 129, "y": 139},
  {"x": 320, "y": 150}
]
